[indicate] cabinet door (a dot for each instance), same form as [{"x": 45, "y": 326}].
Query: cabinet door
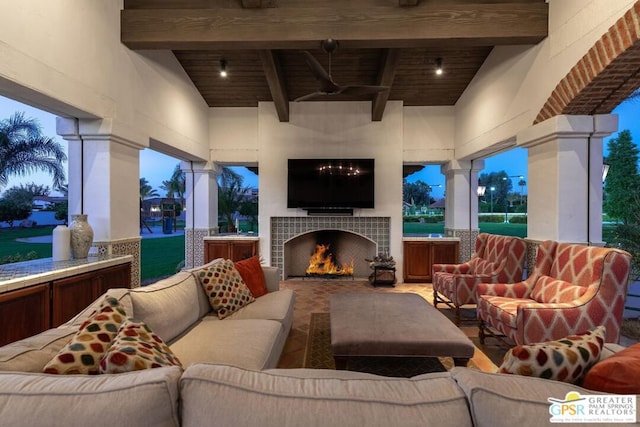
[
  {"x": 243, "y": 250},
  {"x": 23, "y": 313},
  {"x": 445, "y": 252},
  {"x": 118, "y": 276},
  {"x": 417, "y": 261},
  {"x": 70, "y": 296},
  {"x": 216, "y": 249}
]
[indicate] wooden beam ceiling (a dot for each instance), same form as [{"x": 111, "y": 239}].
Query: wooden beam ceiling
[
  {"x": 275, "y": 80},
  {"x": 389, "y": 65},
  {"x": 378, "y": 26}
]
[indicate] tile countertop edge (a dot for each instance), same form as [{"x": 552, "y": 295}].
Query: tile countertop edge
[
  {"x": 60, "y": 271},
  {"x": 430, "y": 239},
  {"x": 232, "y": 237}
]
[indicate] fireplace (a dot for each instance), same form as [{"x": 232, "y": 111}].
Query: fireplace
[{"x": 294, "y": 239}]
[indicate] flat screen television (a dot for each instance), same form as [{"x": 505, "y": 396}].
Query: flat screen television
[{"x": 330, "y": 183}]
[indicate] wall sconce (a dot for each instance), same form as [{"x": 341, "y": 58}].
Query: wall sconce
[
  {"x": 605, "y": 171},
  {"x": 439, "y": 67},
  {"x": 481, "y": 190},
  {"x": 223, "y": 68}
]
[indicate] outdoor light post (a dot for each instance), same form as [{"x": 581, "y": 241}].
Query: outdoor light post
[
  {"x": 492, "y": 189},
  {"x": 506, "y": 206}
]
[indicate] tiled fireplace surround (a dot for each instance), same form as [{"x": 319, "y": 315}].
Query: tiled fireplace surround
[{"x": 286, "y": 230}]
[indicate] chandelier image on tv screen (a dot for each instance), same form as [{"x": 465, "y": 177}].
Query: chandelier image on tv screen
[{"x": 330, "y": 183}]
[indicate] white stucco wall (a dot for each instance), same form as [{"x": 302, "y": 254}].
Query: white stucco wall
[{"x": 65, "y": 57}]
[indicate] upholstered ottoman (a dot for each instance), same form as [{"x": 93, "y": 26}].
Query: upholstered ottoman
[{"x": 366, "y": 324}]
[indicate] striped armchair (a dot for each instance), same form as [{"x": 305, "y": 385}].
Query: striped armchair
[
  {"x": 573, "y": 288},
  {"x": 496, "y": 259}
]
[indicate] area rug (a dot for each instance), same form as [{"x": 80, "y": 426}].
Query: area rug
[{"x": 318, "y": 355}]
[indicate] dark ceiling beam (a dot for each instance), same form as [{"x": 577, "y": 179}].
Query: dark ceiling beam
[
  {"x": 403, "y": 3},
  {"x": 253, "y": 4},
  {"x": 389, "y": 65},
  {"x": 424, "y": 25},
  {"x": 275, "y": 80}
]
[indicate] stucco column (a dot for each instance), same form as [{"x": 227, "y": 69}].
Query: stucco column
[
  {"x": 104, "y": 173},
  {"x": 202, "y": 208},
  {"x": 461, "y": 205},
  {"x": 565, "y": 177}
]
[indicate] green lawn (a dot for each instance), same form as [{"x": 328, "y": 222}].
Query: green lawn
[
  {"x": 161, "y": 256},
  {"x": 10, "y": 248}
]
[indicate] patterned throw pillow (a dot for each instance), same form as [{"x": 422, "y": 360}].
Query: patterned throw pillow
[
  {"x": 225, "y": 288},
  {"x": 566, "y": 360},
  {"x": 136, "y": 348},
  {"x": 83, "y": 353}
]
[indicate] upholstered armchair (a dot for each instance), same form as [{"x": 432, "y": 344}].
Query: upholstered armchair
[
  {"x": 573, "y": 288},
  {"x": 496, "y": 259}
]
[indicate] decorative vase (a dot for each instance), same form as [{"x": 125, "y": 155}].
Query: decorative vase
[
  {"x": 81, "y": 236},
  {"x": 61, "y": 243}
]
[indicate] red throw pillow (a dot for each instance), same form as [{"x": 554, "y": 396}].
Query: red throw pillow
[
  {"x": 251, "y": 272},
  {"x": 619, "y": 373}
]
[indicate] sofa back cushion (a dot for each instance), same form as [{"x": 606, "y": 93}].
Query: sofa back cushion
[
  {"x": 551, "y": 290},
  {"x": 169, "y": 306},
  {"x": 142, "y": 398},
  {"x": 31, "y": 354},
  {"x": 309, "y": 400}
]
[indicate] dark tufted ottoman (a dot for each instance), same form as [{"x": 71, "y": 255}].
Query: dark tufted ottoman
[{"x": 389, "y": 324}]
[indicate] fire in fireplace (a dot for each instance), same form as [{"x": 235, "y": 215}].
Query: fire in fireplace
[{"x": 321, "y": 263}]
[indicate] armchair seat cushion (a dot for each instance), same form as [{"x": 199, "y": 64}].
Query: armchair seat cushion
[{"x": 502, "y": 309}]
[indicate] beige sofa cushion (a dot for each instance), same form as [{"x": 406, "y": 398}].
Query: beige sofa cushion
[
  {"x": 251, "y": 398},
  {"x": 248, "y": 343},
  {"x": 169, "y": 306},
  {"x": 525, "y": 397},
  {"x": 31, "y": 354},
  {"x": 143, "y": 398},
  {"x": 273, "y": 306}
]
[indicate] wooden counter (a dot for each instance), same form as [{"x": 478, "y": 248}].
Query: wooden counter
[{"x": 41, "y": 294}]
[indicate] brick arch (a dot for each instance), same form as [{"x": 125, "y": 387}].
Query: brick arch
[{"x": 604, "y": 77}]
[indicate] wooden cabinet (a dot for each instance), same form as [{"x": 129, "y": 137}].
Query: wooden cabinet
[
  {"x": 72, "y": 294},
  {"x": 420, "y": 255},
  {"x": 233, "y": 249},
  {"x": 31, "y": 310},
  {"x": 24, "y": 312}
]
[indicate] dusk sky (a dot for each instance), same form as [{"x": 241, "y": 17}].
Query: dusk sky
[{"x": 154, "y": 165}]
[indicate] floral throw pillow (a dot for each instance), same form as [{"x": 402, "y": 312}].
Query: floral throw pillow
[
  {"x": 136, "y": 348},
  {"x": 83, "y": 353},
  {"x": 225, "y": 288},
  {"x": 566, "y": 360}
]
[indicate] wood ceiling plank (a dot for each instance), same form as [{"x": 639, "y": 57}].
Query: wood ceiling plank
[
  {"x": 426, "y": 24},
  {"x": 275, "y": 80},
  {"x": 405, "y": 3},
  {"x": 257, "y": 4},
  {"x": 389, "y": 65}
]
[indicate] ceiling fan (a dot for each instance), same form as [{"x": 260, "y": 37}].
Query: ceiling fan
[{"x": 327, "y": 85}]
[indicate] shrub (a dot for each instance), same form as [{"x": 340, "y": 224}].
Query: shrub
[
  {"x": 8, "y": 259},
  {"x": 490, "y": 218},
  {"x": 520, "y": 219}
]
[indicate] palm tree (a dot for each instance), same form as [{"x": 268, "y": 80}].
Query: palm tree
[
  {"x": 146, "y": 191},
  {"x": 23, "y": 149},
  {"x": 176, "y": 185}
]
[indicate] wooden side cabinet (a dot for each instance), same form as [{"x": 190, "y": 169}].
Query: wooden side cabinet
[
  {"x": 72, "y": 294},
  {"x": 233, "y": 249},
  {"x": 24, "y": 312},
  {"x": 420, "y": 255},
  {"x": 31, "y": 310}
]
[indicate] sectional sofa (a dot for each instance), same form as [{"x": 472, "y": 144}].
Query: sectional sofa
[{"x": 229, "y": 377}]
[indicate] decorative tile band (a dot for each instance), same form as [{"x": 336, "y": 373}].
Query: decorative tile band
[
  {"x": 377, "y": 229},
  {"x": 123, "y": 247},
  {"x": 194, "y": 245},
  {"x": 467, "y": 241}
]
